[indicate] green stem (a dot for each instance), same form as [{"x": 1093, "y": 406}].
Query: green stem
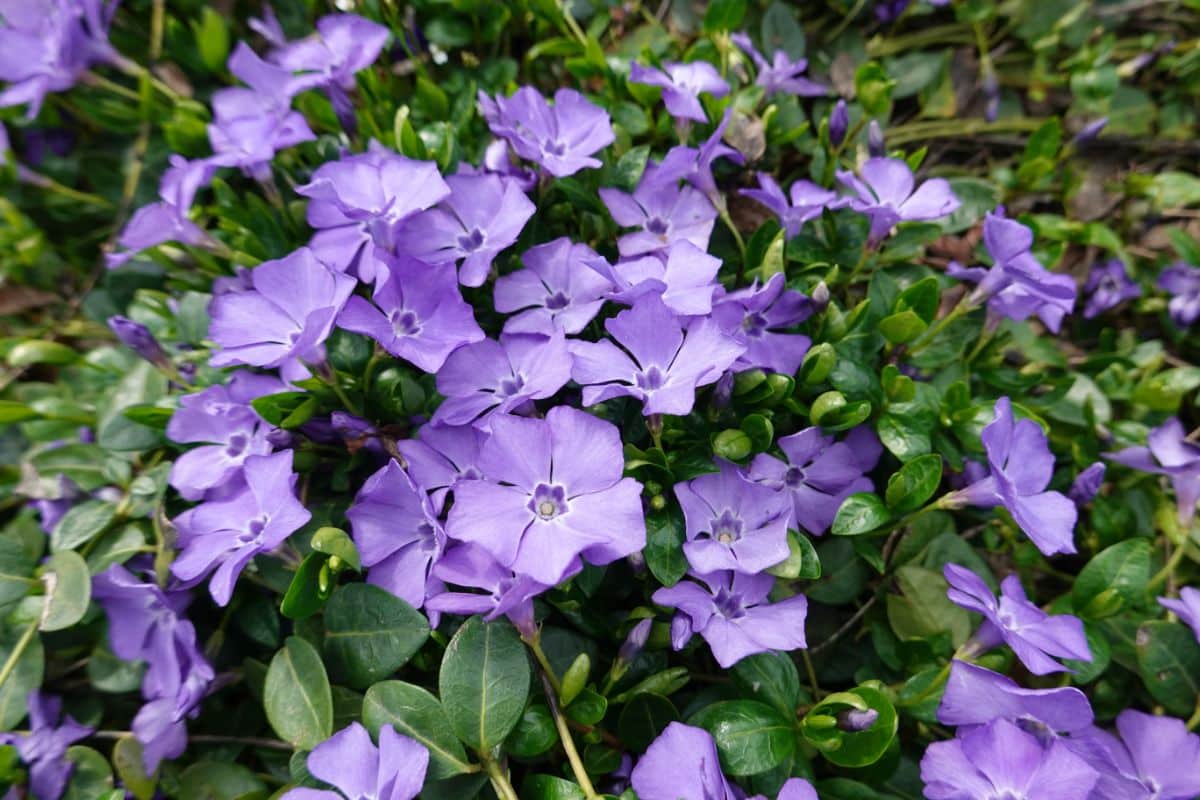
[
  {"x": 1168, "y": 569},
  {"x": 504, "y": 789},
  {"x": 737, "y": 238},
  {"x": 568, "y": 744},
  {"x": 950, "y": 129},
  {"x": 926, "y": 339},
  {"x": 576, "y": 31},
  {"x": 535, "y": 645},
  {"x": 939, "y": 680},
  {"x": 812, "y": 673},
  {"x": 54, "y": 187},
  {"x": 18, "y": 651},
  {"x": 1194, "y": 721}
]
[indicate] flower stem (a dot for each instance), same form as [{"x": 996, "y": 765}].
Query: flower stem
[
  {"x": 1194, "y": 721},
  {"x": 495, "y": 772},
  {"x": 737, "y": 238},
  {"x": 568, "y": 744},
  {"x": 1168, "y": 569},
  {"x": 812, "y": 673},
  {"x": 938, "y": 682},
  {"x": 11, "y": 664},
  {"x": 535, "y": 645},
  {"x": 927, "y": 338}
]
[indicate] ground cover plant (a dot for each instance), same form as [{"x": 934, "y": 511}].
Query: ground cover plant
[{"x": 557, "y": 400}]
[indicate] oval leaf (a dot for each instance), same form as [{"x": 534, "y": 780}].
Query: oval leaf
[
  {"x": 296, "y": 695},
  {"x": 484, "y": 681}
]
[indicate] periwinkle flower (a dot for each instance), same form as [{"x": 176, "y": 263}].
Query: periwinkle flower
[
  {"x": 999, "y": 760},
  {"x": 416, "y": 313},
  {"x": 1156, "y": 758},
  {"x": 1036, "y": 637},
  {"x": 221, "y": 536},
  {"x": 758, "y": 317},
  {"x": 357, "y": 202},
  {"x": 805, "y": 200},
  {"x": 684, "y": 278},
  {"x": 440, "y": 456},
  {"x": 1017, "y": 286},
  {"x": 664, "y": 213},
  {"x": 1183, "y": 282},
  {"x": 497, "y": 160},
  {"x": 491, "y": 376},
  {"x": 44, "y": 748},
  {"x": 561, "y": 288},
  {"x": 661, "y": 360},
  {"x": 876, "y": 146},
  {"x": 732, "y": 523},
  {"x": 1187, "y": 607},
  {"x": 397, "y": 533},
  {"x": 138, "y": 338},
  {"x": 554, "y": 493},
  {"x": 351, "y": 763},
  {"x": 286, "y": 316},
  {"x": 1108, "y": 285},
  {"x": 167, "y": 220},
  {"x": 731, "y": 612},
  {"x": 1087, "y": 484},
  {"x": 782, "y": 73},
  {"x": 682, "y": 85},
  {"x": 1168, "y": 452},
  {"x": 977, "y": 696},
  {"x": 681, "y": 762},
  {"x": 819, "y": 473},
  {"x": 483, "y": 215},
  {"x": 885, "y": 191},
  {"x": 1021, "y": 466},
  {"x": 695, "y": 164},
  {"x": 502, "y": 591},
  {"x": 561, "y": 138},
  {"x": 839, "y": 123}
]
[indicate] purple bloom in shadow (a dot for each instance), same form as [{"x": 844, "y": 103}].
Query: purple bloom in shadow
[
  {"x": 561, "y": 138},
  {"x": 483, "y": 215},
  {"x": 730, "y": 611},
  {"x": 490, "y": 377},
  {"x": 885, "y": 191},
  {"x": 1183, "y": 282},
  {"x": 418, "y": 314},
  {"x": 1035, "y": 636},
  {"x": 682, "y": 85},
  {"x": 976, "y": 696},
  {"x": 1187, "y": 608},
  {"x": 660, "y": 360},
  {"x": 807, "y": 201},
  {"x": 781, "y": 73},
  {"x": 684, "y": 278},
  {"x": 732, "y": 523},
  {"x": 1021, "y": 467},
  {"x": 553, "y": 493},
  {"x": 1087, "y": 484},
  {"x": 664, "y": 213},
  {"x": 1169, "y": 453},
  {"x": 819, "y": 473},
  {"x": 681, "y": 763},
  {"x": 999, "y": 760},
  {"x": 167, "y": 220},
  {"x": 397, "y": 533},
  {"x": 503, "y": 592},
  {"x": 757, "y": 316},
  {"x": 350, "y": 762},
  {"x": 1108, "y": 285},
  {"x": 561, "y": 288},
  {"x": 440, "y": 456},
  {"x": 44, "y": 748}
]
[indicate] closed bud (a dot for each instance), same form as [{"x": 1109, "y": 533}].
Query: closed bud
[
  {"x": 820, "y": 296},
  {"x": 138, "y": 338},
  {"x": 853, "y": 721},
  {"x": 818, "y": 363},
  {"x": 635, "y": 641},
  {"x": 732, "y": 445},
  {"x": 875, "y": 144},
  {"x": 839, "y": 123},
  {"x": 1089, "y": 132}
]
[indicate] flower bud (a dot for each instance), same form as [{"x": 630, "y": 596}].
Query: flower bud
[
  {"x": 852, "y": 720},
  {"x": 635, "y": 641},
  {"x": 839, "y": 123},
  {"x": 820, "y": 296},
  {"x": 875, "y": 144},
  {"x": 138, "y": 338},
  {"x": 1089, "y": 132}
]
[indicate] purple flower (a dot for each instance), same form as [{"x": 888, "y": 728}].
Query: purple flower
[
  {"x": 681, "y": 763},
  {"x": 553, "y": 494},
  {"x": 561, "y": 138},
  {"x": 483, "y": 215},
  {"x": 781, "y": 73},
  {"x": 1108, "y": 285},
  {"x": 418, "y": 314},
  {"x": 635, "y": 641},
  {"x": 1169, "y": 453},
  {"x": 440, "y": 456},
  {"x": 819, "y": 473},
  {"x": 167, "y": 220},
  {"x": 1017, "y": 286},
  {"x": 47, "y": 45},
  {"x": 138, "y": 338},
  {"x": 561, "y": 288},
  {"x": 1000, "y": 760},
  {"x": 504, "y": 592},
  {"x": 358, "y": 202},
  {"x": 397, "y": 533},
  {"x": 694, "y": 165},
  {"x": 663, "y": 361},
  {"x": 839, "y": 123},
  {"x": 682, "y": 85},
  {"x": 286, "y": 316},
  {"x": 351, "y": 763},
  {"x": 730, "y": 611},
  {"x": 1021, "y": 467},
  {"x": 807, "y": 201},
  {"x": 221, "y": 536},
  {"x": 684, "y": 278},
  {"x": 497, "y": 160},
  {"x": 1183, "y": 282},
  {"x": 231, "y": 431},
  {"x": 1187, "y": 607},
  {"x": 976, "y": 696},
  {"x": 44, "y": 748},
  {"x": 756, "y": 317},
  {"x": 498, "y": 377},
  {"x": 1155, "y": 759},
  {"x": 732, "y": 523},
  {"x": 1034, "y": 635},
  {"x": 1087, "y": 484},
  {"x": 663, "y": 211},
  {"x": 885, "y": 193}
]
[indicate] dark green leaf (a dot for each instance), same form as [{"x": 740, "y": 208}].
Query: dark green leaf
[
  {"x": 751, "y": 737},
  {"x": 860, "y": 513},
  {"x": 370, "y": 633},
  {"x": 296, "y": 695},
  {"x": 484, "y": 680},
  {"x": 418, "y": 715}
]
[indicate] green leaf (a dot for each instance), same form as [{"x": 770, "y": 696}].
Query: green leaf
[
  {"x": 771, "y": 677},
  {"x": 851, "y": 748},
  {"x": 68, "y": 590},
  {"x": 588, "y": 708},
  {"x": 127, "y": 760},
  {"x": 802, "y": 561},
  {"x": 643, "y": 718},
  {"x": 575, "y": 678},
  {"x": 12, "y": 411},
  {"x": 874, "y": 89},
  {"x": 285, "y": 409},
  {"x": 914, "y": 483},
  {"x": 664, "y": 547},
  {"x": 304, "y": 596},
  {"x": 549, "y": 787},
  {"x": 81, "y": 524},
  {"x": 535, "y": 733},
  {"x": 1115, "y": 578},
  {"x": 751, "y": 737},
  {"x": 418, "y": 715},
  {"x": 35, "y": 351},
  {"x": 212, "y": 38},
  {"x": 91, "y": 776},
  {"x": 923, "y": 610},
  {"x": 296, "y": 695},
  {"x": 1168, "y": 658},
  {"x": 781, "y": 30},
  {"x": 484, "y": 680},
  {"x": 370, "y": 633},
  {"x": 860, "y": 513},
  {"x": 724, "y": 15},
  {"x": 336, "y": 542},
  {"x": 16, "y": 570},
  {"x": 25, "y": 677},
  {"x": 629, "y": 168},
  {"x": 211, "y": 780},
  {"x": 902, "y": 327}
]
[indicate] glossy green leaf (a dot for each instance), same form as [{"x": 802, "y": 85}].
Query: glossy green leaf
[
  {"x": 370, "y": 633},
  {"x": 484, "y": 681},
  {"x": 296, "y": 695}
]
